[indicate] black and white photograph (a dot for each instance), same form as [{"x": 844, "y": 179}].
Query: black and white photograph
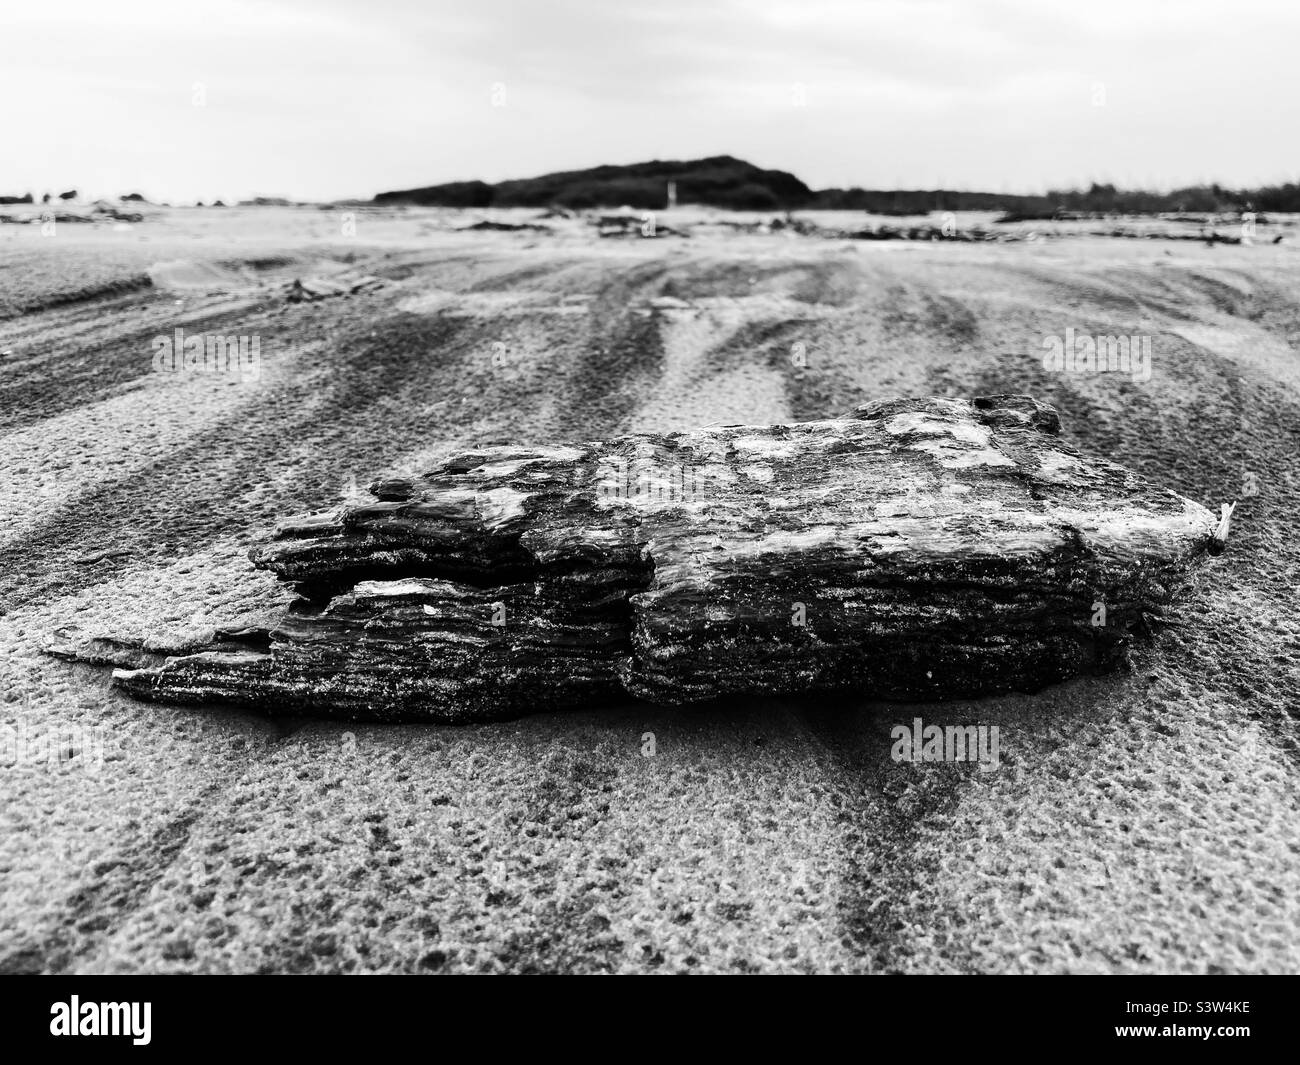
[{"x": 629, "y": 488}]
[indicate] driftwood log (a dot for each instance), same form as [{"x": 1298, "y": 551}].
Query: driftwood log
[{"x": 913, "y": 549}]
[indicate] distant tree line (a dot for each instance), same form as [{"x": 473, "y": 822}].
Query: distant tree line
[
  {"x": 1195, "y": 198},
  {"x": 723, "y": 181},
  {"x": 720, "y": 182}
]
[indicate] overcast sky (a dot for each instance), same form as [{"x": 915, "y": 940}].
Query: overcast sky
[{"x": 322, "y": 99}]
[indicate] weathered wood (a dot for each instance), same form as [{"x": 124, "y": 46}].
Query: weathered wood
[{"x": 912, "y": 549}]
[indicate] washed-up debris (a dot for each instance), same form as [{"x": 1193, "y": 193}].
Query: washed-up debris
[
  {"x": 645, "y": 226},
  {"x": 801, "y": 226},
  {"x": 1204, "y": 236},
  {"x": 507, "y": 227},
  {"x": 98, "y": 213},
  {"x": 101, "y": 556},
  {"x": 316, "y": 288},
  {"x": 740, "y": 226},
  {"x": 763, "y": 226},
  {"x": 44, "y": 215},
  {"x": 117, "y": 214},
  {"x": 913, "y": 549},
  {"x": 930, "y": 232},
  {"x": 1060, "y": 214}
]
